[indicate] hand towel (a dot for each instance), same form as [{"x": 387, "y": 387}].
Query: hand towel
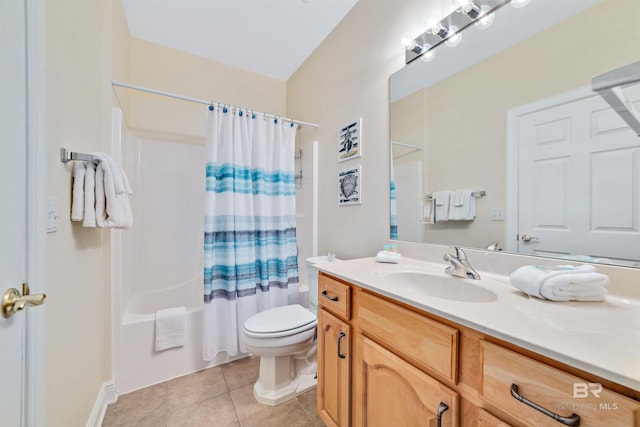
[
  {"x": 561, "y": 282},
  {"x": 441, "y": 201},
  {"x": 463, "y": 206},
  {"x": 388, "y": 256},
  {"x": 171, "y": 325},
  {"x": 89, "y": 195},
  {"x": 113, "y": 209},
  {"x": 77, "y": 196}
]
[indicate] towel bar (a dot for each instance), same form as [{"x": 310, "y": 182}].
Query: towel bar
[
  {"x": 475, "y": 194},
  {"x": 66, "y": 156}
]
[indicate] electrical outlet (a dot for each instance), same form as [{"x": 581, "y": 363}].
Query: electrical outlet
[{"x": 497, "y": 214}]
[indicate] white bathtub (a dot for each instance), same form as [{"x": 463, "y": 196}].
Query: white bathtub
[{"x": 140, "y": 365}]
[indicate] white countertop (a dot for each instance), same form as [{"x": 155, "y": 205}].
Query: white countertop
[{"x": 602, "y": 338}]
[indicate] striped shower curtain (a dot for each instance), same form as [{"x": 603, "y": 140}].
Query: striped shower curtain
[
  {"x": 393, "y": 232},
  {"x": 250, "y": 249}
]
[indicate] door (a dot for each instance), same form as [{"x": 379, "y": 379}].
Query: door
[
  {"x": 334, "y": 373},
  {"x": 579, "y": 181},
  {"x": 409, "y": 200},
  {"x": 393, "y": 392},
  {"x": 12, "y": 204}
]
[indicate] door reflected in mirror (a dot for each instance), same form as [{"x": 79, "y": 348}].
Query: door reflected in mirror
[{"x": 510, "y": 111}]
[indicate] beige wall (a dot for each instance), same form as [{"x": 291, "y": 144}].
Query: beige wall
[
  {"x": 347, "y": 77},
  {"x": 88, "y": 45},
  {"x": 78, "y": 101},
  {"x": 159, "y": 67}
]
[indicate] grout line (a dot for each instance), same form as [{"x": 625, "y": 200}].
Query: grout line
[
  {"x": 166, "y": 404},
  {"x": 235, "y": 411}
]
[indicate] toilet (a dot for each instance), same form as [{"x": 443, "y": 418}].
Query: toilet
[{"x": 285, "y": 338}]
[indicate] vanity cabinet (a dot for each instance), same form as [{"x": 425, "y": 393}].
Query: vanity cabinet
[
  {"x": 393, "y": 392},
  {"x": 384, "y": 363},
  {"x": 506, "y": 374},
  {"x": 334, "y": 352}
]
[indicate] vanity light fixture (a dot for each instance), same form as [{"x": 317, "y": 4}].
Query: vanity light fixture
[
  {"x": 472, "y": 10},
  {"x": 480, "y": 13}
]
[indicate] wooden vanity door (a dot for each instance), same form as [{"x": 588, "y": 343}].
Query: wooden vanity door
[
  {"x": 393, "y": 392},
  {"x": 334, "y": 370}
]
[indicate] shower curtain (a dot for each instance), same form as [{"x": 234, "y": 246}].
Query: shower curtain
[
  {"x": 393, "y": 232},
  {"x": 250, "y": 249}
]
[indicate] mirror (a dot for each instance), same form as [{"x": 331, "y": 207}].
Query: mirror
[{"x": 510, "y": 112}]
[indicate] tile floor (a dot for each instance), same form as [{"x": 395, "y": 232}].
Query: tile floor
[{"x": 219, "y": 396}]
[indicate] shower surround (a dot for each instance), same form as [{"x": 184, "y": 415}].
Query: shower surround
[{"x": 158, "y": 263}]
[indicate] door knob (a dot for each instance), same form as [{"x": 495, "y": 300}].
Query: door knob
[
  {"x": 13, "y": 301},
  {"x": 528, "y": 238}
]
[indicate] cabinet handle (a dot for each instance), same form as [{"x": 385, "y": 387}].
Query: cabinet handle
[
  {"x": 329, "y": 297},
  {"x": 342, "y": 335},
  {"x": 572, "y": 420},
  {"x": 442, "y": 408}
]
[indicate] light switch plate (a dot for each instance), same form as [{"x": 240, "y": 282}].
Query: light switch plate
[
  {"x": 497, "y": 214},
  {"x": 52, "y": 214}
]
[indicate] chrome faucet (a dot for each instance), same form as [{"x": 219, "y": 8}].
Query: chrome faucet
[{"x": 460, "y": 266}]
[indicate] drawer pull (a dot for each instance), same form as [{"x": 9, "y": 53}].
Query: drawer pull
[
  {"x": 329, "y": 297},
  {"x": 572, "y": 420},
  {"x": 340, "y": 336},
  {"x": 442, "y": 408}
]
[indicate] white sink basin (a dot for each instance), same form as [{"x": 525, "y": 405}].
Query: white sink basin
[{"x": 411, "y": 283}]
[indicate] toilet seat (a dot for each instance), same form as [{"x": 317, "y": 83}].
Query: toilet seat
[{"x": 280, "y": 322}]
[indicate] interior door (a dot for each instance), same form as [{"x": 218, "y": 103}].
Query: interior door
[
  {"x": 408, "y": 179},
  {"x": 579, "y": 181},
  {"x": 13, "y": 204}
]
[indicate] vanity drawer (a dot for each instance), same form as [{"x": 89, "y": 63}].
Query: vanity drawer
[
  {"x": 428, "y": 343},
  {"x": 549, "y": 388},
  {"x": 485, "y": 419},
  {"x": 334, "y": 296}
]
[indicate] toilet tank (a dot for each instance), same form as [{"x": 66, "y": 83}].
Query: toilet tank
[{"x": 312, "y": 277}]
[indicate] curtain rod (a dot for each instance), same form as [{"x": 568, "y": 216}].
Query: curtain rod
[{"x": 199, "y": 101}]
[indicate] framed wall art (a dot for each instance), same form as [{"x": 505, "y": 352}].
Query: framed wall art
[
  {"x": 350, "y": 186},
  {"x": 350, "y": 141}
]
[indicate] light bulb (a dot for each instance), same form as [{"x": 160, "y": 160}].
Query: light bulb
[
  {"x": 429, "y": 54},
  {"x": 406, "y": 40},
  {"x": 440, "y": 30},
  {"x": 472, "y": 10},
  {"x": 519, "y": 3},
  {"x": 455, "y": 39},
  {"x": 486, "y": 19}
]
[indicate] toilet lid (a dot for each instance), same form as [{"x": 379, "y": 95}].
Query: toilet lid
[{"x": 279, "y": 319}]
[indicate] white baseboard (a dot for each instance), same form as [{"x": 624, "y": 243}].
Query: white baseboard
[{"x": 106, "y": 395}]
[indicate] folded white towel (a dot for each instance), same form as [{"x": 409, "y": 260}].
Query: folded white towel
[
  {"x": 441, "y": 201},
  {"x": 77, "y": 196},
  {"x": 89, "y": 195},
  {"x": 561, "y": 282},
  {"x": 388, "y": 256},
  {"x": 171, "y": 326},
  {"x": 113, "y": 209},
  {"x": 463, "y": 206}
]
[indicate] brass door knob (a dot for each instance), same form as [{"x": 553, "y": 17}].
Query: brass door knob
[{"x": 13, "y": 301}]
